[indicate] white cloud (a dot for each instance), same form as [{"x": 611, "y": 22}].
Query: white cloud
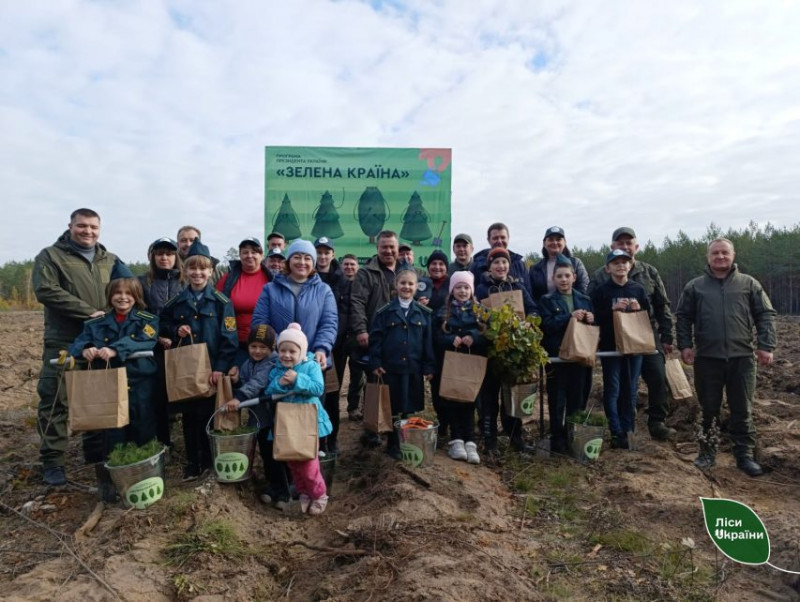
[{"x": 663, "y": 116}]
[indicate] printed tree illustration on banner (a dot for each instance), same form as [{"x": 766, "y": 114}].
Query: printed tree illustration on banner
[
  {"x": 415, "y": 221},
  {"x": 286, "y": 221},
  {"x": 326, "y": 218},
  {"x": 738, "y": 532},
  {"x": 372, "y": 212}
]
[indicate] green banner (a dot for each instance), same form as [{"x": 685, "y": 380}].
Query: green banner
[{"x": 351, "y": 194}]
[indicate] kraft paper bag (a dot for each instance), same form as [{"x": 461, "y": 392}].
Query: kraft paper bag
[
  {"x": 188, "y": 369},
  {"x": 497, "y": 300},
  {"x": 633, "y": 332},
  {"x": 225, "y": 421},
  {"x": 98, "y": 399},
  {"x": 462, "y": 376},
  {"x": 295, "y": 432},
  {"x": 580, "y": 343},
  {"x": 676, "y": 378},
  {"x": 331, "y": 380},
  {"x": 519, "y": 401},
  {"x": 377, "y": 408}
]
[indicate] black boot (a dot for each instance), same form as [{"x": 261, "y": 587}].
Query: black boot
[
  {"x": 106, "y": 490},
  {"x": 393, "y": 446}
]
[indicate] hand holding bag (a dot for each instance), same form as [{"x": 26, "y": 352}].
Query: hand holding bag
[
  {"x": 98, "y": 399},
  {"x": 580, "y": 342},
  {"x": 225, "y": 421},
  {"x": 462, "y": 376},
  {"x": 377, "y": 408},
  {"x": 188, "y": 370},
  {"x": 633, "y": 332},
  {"x": 295, "y": 432},
  {"x": 676, "y": 378}
]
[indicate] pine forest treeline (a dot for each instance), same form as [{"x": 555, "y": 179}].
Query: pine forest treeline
[{"x": 772, "y": 255}]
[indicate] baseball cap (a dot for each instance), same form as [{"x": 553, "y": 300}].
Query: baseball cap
[
  {"x": 555, "y": 231},
  {"x": 276, "y": 252},
  {"x": 164, "y": 242},
  {"x": 463, "y": 237},
  {"x": 253, "y": 241},
  {"x": 625, "y": 230},
  {"x": 616, "y": 254},
  {"x": 324, "y": 241},
  {"x": 404, "y": 245},
  {"x": 275, "y": 234}
]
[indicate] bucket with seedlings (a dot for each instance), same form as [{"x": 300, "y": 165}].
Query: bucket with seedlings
[
  {"x": 233, "y": 448},
  {"x": 138, "y": 473},
  {"x": 586, "y": 430}
]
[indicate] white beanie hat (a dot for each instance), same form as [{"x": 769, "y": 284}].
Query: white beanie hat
[{"x": 294, "y": 334}]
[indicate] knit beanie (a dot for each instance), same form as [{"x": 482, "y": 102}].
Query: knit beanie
[
  {"x": 302, "y": 246},
  {"x": 294, "y": 334},
  {"x": 262, "y": 333},
  {"x": 463, "y": 277},
  {"x": 496, "y": 253},
  {"x": 437, "y": 254}
]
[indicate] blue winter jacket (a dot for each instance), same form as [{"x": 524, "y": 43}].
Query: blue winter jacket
[
  {"x": 556, "y": 316},
  {"x": 308, "y": 388},
  {"x": 402, "y": 343},
  {"x": 461, "y": 322},
  {"x": 314, "y": 309}
]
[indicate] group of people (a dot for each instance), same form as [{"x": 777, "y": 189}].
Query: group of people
[{"x": 280, "y": 317}]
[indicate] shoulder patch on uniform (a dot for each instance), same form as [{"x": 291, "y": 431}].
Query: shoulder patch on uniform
[
  {"x": 221, "y": 297},
  {"x": 425, "y": 308},
  {"x": 149, "y": 331},
  {"x": 230, "y": 323},
  {"x": 146, "y": 315}
]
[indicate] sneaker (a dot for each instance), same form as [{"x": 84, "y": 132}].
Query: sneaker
[
  {"x": 305, "y": 502},
  {"x": 472, "y": 452},
  {"x": 456, "y": 449},
  {"x": 318, "y": 505},
  {"x": 749, "y": 466},
  {"x": 54, "y": 475},
  {"x": 661, "y": 432},
  {"x": 705, "y": 461},
  {"x": 190, "y": 472}
]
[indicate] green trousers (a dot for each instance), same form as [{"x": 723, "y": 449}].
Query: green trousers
[{"x": 737, "y": 377}]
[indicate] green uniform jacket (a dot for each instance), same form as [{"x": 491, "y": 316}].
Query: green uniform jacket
[
  {"x": 649, "y": 278},
  {"x": 722, "y": 314},
  {"x": 370, "y": 292},
  {"x": 70, "y": 288}
]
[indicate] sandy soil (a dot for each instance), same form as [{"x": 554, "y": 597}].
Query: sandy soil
[{"x": 627, "y": 527}]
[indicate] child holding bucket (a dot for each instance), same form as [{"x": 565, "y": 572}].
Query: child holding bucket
[
  {"x": 110, "y": 339},
  {"x": 200, "y": 314},
  {"x": 401, "y": 351},
  {"x": 566, "y": 390},
  {"x": 457, "y": 326},
  {"x": 297, "y": 378}
]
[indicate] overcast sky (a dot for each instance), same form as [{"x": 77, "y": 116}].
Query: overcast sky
[{"x": 662, "y": 115}]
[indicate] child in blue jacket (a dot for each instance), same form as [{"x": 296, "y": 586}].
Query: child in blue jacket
[
  {"x": 112, "y": 338},
  {"x": 457, "y": 327},
  {"x": 201, "y": 314},
  {"x": 566, "y": 382},
  {"x": 401, "y": 351}
]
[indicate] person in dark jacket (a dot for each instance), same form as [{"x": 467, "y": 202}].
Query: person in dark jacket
[
  {"x": 331, "y": 274},
  {"x": 497, "y": 235},
  {"x": 110, "y": 340},
  {"x": 434, "y": 296},
  {"x": 497, "y": 280},
  {"x": 717, "y": 314},
  {"x": 457, "y": 327},
  {"x": 462, "y": 254},
  {"x": 163, "y": 281},
  {"x": 69, "y": 280},
  {"x": 354, "y": 368},
  {"x": 653, "y": 365},
  {"x": 401, "y": 351},
  {"x": 201, "y": 314},
  {"x": 541, "y": 273},
  {"x": 566, "y": 389}
]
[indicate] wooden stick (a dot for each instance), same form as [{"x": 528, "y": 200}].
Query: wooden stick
[
  {"x": 415, "y": 477},
  {"x": 91, "y": 522}
]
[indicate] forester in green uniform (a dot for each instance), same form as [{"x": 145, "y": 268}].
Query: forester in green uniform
[
  {"x": 717, "y": 313},
  {"x": 69, "y": 279}
]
